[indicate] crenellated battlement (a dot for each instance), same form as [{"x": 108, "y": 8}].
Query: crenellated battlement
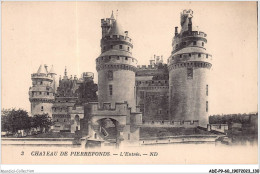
[
  {"x": 167, "y": 123},
  {"x": 41, "y": 76},
  {"x": 190, "y": 57},
  {"x": 119, "y": 108},
  {"x": 193, "y": 34},
  {"x": 117, "y": 38},
  {"x": 146, "y": 67},
  {"x": 116, "y": 62}
]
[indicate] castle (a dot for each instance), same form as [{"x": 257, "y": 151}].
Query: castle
[{"x": 129, "y": 96}]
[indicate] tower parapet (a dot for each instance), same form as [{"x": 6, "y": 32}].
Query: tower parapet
[{"x": 189, "y": 66}]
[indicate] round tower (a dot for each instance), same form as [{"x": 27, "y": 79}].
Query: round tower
[
  {"x": 189, "y": 66},
  {"x": 53, "y": 76},
  {"x": 41, "y": 94},
  {"x": 116, "y": 66}
]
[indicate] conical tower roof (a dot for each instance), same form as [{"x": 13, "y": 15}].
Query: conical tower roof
[
  {"x": 52, "y": 70},
  {"x": 116, "y": 29},
  {"x": 41, "y": 70}
]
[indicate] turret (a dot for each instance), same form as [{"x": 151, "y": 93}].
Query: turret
[
  {"x": 41, "y": 94},
  {"x": 53, "y": 75},
  {"x": 189, "y": 67},
  {"x": 115, "y": 64}
]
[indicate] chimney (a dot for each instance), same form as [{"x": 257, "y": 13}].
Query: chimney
[{"x": 176, "y": 31}]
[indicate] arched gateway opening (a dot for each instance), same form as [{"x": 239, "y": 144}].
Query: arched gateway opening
[{"x": 109, "y": 130}]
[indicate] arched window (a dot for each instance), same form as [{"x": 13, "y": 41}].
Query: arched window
[{"x": 41, "y": 108}]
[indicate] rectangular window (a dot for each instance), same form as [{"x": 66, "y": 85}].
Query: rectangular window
[
  {"x": 199, "y": 55},
  {"x": 207, "y": 55},
  {"x": 194, "y": 43},
  {"x": 207, "y": 90},
  {"x": 110, "y": 75},
  {"x": 128, "y": 48},
  {"x": 111, "y": 46},
  {"x": 120, "y": 47},
  {"x": 207, "y": 106},
  {"x": 128, "y": 136},
  {"x": 110, "y": 90},
  {"x": 42, "y": 108},
  {"x": 180, "y": 55},
  {"x": 189, "y": 55},
  {"x": 189, "y": 73},
  {"x": 47, "y": 93},
  {"x": 203, "y": 44}
]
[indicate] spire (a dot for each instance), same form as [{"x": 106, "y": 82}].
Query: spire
[
  {"x": 65, "y": 72},
  {"x": 112, "y": 15},
  {"x": 41, "y": 70},
  {"x": 52, "y": 70}
]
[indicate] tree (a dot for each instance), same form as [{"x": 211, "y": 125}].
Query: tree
[
  {"x": 14, "y": 120},
  {"x": 42, "y": 121}
]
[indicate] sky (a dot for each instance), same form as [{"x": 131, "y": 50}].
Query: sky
[{"x": 68, "y": 34}]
